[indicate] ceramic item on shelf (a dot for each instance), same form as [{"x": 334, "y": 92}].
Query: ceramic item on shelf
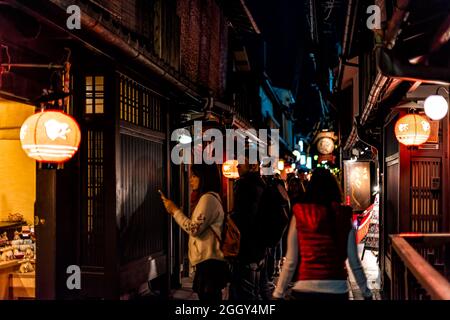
[
  {"x": 7, "y": 255},
  {"x": 3, "y": 239},
  {"x": 26, "y": 266},
  {"x": 29, "y": 254},
  {"x": 18, "y": 254},
  {"x": 15, "y": 217}
]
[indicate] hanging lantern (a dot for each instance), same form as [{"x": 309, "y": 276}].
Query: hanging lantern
[
  {"x": 50, "y": 137},
  {"x": 412, "y": 130},
  {"x": 436, "y": 107},
  {"x": 229, "y": 169}
]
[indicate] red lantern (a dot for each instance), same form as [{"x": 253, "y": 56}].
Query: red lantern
[
  {"x": 412, "y": 130},
  {"x": 50, "y": 136}
]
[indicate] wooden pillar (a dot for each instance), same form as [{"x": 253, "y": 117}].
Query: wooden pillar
[
  {"x": 45, "y": 224},
  {"x": 170, "y": 255}
]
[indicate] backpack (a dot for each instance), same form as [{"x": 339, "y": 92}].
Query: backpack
[
  {"x": 273, "y": 213},
  {"x": 231, "y": 237}
]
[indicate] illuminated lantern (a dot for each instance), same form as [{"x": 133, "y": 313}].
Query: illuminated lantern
[
  {"x": 412, "y": 130},
  {"x": 436, "y": 107},
  {"x": 229, "y": 169},
  {"x": 50, "y": 137}
]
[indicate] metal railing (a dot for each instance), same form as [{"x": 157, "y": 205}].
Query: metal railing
[{"x": 420, "y": 265}]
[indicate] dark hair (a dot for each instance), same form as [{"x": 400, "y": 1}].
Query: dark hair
[
  {"x": 209, "y": 176},
  {"x": 295, "y": 188},
  {"x": 323, "y": 188}
]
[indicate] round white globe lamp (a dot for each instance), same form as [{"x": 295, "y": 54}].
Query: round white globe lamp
[{"x": 436, "y": 107}]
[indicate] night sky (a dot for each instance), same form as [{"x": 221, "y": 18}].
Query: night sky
[{"x": 282, "y": 24}]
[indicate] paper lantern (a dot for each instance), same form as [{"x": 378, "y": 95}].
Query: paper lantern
[
  {"x": 281, "y": 165},
  {"x": 436, "y": 107},
  {"x": 50, "y": 137},
  {"x": 229, "y": 169},
  {"x": 412, "y": 130}
]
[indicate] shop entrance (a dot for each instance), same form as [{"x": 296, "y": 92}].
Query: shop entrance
[
  {"x": 17, "y": 200},
  {"x": 362, "y": 194}
]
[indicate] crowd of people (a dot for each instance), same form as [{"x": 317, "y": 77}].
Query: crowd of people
[{"x": 309, "y": 255}]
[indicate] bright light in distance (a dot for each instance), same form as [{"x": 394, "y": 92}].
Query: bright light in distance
[
  {"x": 309, "y": 162},
  {"x": 302, "y": 160},
  {"x": 297, "y": 154}
]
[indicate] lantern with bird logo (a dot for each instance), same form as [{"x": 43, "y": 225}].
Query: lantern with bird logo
[{"x": 50, "y": 136}]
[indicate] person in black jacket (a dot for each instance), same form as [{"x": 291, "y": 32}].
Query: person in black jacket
[
  {"x": 274, "y": 253},
  {"x": 246, "y": 271}
]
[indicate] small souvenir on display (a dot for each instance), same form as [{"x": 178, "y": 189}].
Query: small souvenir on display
[
  {"x": 16, "y": 235},
  {"x": 26, "y": 266},
  {"x": 7, "y": 254},
  {"x": 16, "y": 243},
  {"x": 3, "y": 239},
  {"x": 25, "y": 232},
  {"x": 15, "y": 217},
  {"x": 18, "y": 254},
  {"x": 29, "y": 254}
]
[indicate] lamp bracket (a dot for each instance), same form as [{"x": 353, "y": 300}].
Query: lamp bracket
[{"x": 445, "y": 89}]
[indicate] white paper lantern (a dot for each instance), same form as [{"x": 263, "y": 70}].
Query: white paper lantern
[
  {"x": 50, "y": 136},
  {"x": 436, "y": 107}
]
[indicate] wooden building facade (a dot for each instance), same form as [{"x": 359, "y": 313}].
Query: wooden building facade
[
  {"x": 138, "y": 69},
  {"x": 385, "y": 73}
]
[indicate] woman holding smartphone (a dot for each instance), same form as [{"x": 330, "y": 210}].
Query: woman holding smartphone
[{"x": 204, "y": 228}]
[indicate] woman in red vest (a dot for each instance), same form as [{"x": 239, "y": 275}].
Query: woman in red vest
[{"x": 322, "y": 238}]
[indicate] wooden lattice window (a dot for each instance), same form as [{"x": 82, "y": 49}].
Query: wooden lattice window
[
  {"x": 426, "y": 208},
  {"x": 95, "y": 95},
  {"x": 93, "y": 228},
  {"x": 139, "y": 105}
]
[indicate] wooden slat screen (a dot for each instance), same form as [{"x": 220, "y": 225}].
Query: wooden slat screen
[
  {"x": 93, "y": 232},
  {"x": 426, "y": 209},
  {"x": 139, "y": 105},
  {"x": 142, "y": 219}
]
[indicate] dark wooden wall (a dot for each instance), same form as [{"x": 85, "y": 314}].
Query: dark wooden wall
[{"x": 142, "y": 217}]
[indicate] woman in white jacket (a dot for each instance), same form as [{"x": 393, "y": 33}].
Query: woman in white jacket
[{"x": 203, "y": 227}]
